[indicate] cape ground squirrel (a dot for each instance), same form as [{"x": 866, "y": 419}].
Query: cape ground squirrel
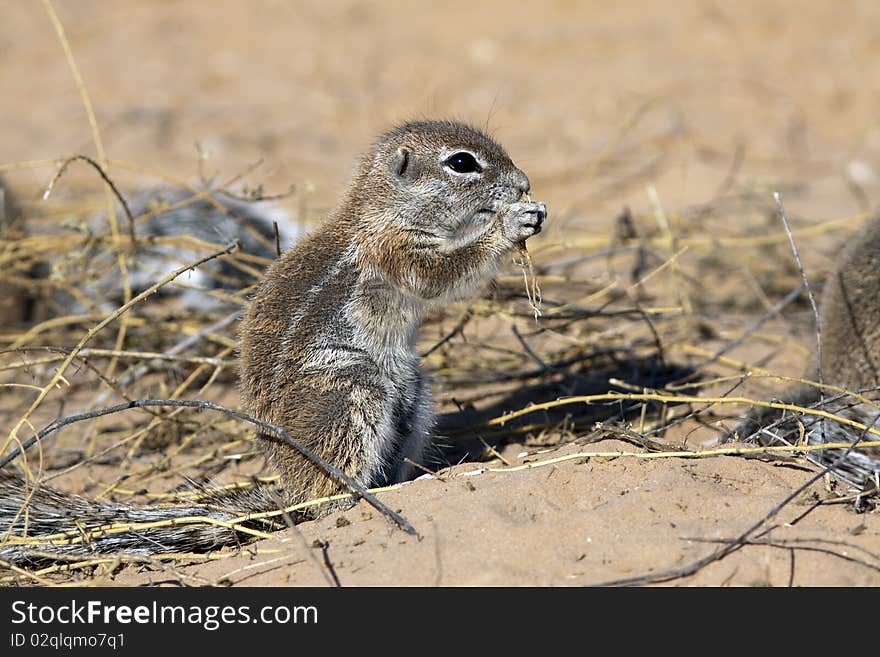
[
  {"x": 328, "y": 341},
  {"x": 86, "y": 276},
  {"x": 218, "y": 219},
  {"x": 850, "y": 334}
]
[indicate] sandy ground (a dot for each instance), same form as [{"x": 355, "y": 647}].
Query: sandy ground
[{"x": 657, "y": 106}]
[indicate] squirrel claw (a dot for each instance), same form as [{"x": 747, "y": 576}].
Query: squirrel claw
[{"x": 521, "y": 220}]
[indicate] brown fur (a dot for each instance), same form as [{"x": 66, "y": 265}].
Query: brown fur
[
  {"x": 328, "y": 340},
  {"x": 850, "y": 334}
]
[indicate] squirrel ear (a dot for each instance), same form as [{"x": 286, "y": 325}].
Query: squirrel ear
[{"x": 402, "y": 164}]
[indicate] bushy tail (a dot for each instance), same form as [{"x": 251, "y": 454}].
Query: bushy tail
[
  {"x": 859, "y": 466},
  {"x": 40, "y": 523}
]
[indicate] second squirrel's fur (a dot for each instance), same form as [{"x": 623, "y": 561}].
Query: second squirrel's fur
[
  {"x": 14, "y": 302},
  {"x": 850, "y": 334},
  {"x": 335, "y": 321},
  {"x": 328, "y": 340}
]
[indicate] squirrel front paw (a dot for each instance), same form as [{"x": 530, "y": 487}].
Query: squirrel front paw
[{"x": 521, "y": 220}]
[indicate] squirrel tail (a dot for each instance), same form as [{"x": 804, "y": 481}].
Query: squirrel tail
[
  {"x": 858, "y": 466},
  {"x": 41, "y": 524}
]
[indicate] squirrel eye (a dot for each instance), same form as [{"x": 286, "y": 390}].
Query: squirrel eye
[{"x": 463, "y": 162}]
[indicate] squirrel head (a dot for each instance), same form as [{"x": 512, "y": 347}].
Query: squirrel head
[{"x": 442, "y": 177}]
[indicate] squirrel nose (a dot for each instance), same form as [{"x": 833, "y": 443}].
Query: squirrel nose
[{"x": 521, "y": 182}]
